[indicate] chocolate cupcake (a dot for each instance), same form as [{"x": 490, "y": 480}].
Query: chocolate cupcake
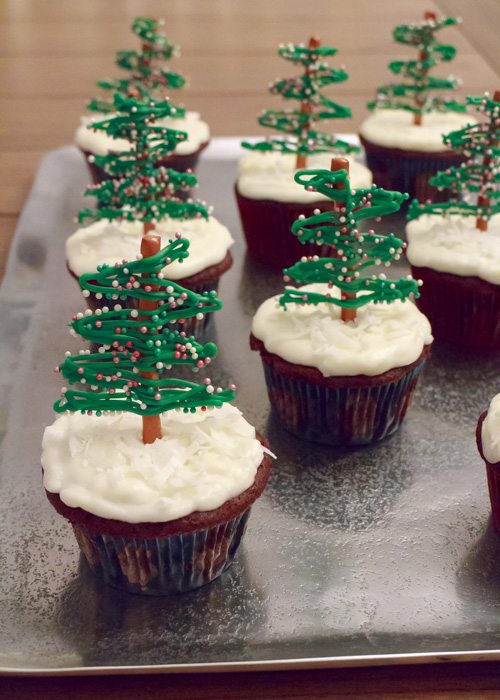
[
  {"x": 163, "y": 519},
  {"x": 184, "y": 158},
  {"x": 488, "y": 443},
  {"x": 460, "y": 270},
  {"x": 342, "y": 354},
  {"x": 403, "y": 137},
  {"x": 341, "y": 383},
  {"x": 108, "y": 241},
  {"x": 146, "y": 78},
  {"x": 268, "y": 198},
  {"x": 269, "y": 201},
  {"x": 454, "y": 246}
]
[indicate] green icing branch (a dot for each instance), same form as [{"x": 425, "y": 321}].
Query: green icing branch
[
  {"x": 133, "y": 342},
  {"x": 303, "y": 138},
  {"x": 480, "y": 174},
  {"x": 352, "y": 251},
  {"x": 418, "y": 86}
]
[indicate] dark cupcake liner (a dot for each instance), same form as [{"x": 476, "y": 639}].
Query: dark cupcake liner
[
  {"x": 340, "y": 416},
  {"x": 341, "y": 410},
  {"x": 181, "y": 163},
  {"x": 409, "y": 171},
  {"x": 267, "y": 228},
  {"x": 464, "y": 311},
  {"x": 493, "y": 476},
  {"x": 162, "y": 566}
]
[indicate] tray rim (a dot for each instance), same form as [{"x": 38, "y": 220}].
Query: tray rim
[
  {"x": 227, "y": 148},
  {"x": 356, "y": 661}
]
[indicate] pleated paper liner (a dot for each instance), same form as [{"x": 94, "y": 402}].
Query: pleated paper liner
[
  {"x": 339, "y": 411},
  {"x": 267, "y": 228},
  {"x": 165, "y": 565},
  {"x": 464, "y": 311},
  {"x": 493, "y": 476},
  {"x": 409, "y": 171}
]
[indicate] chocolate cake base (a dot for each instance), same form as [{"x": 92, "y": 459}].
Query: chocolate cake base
[
  {"x": 493, "y": 476},
  {"x": 267, "y": 228},
  {"x": 464, "y": 311},
  {"x": 343, "y": 411},
  {"x": 409, "y": 171}
]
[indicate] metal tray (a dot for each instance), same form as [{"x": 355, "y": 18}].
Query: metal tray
[{"x": 379, "y": 555}]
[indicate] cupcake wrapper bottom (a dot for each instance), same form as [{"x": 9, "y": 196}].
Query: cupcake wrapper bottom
[
  {"x": 267, "y": 228},
  {"x": 165, "y": 565},
  {"x": 393, "y": 169},
  {"x": 340, "y": 416},
  {"x": 464, "y": 311},
  {"x": 493, "y": 474}
]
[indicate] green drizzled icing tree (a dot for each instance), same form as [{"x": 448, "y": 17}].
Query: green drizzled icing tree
[
  {"x": 353, "y": 251},
  {"x": 479, "y": 175},
  {"x": 136, "y": 345},
  {"x": 303, "y": 138},
  {"x": 415, "y": 92},
  {"x": 138, "y": 188},
  {"x": 145, "y": 71}
]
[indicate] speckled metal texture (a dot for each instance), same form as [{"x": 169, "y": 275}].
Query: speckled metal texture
[{"x": 380, "y": 554}]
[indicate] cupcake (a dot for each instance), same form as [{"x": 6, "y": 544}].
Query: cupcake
[
  {"x": 403, "y": 137},
  {"x": 454, "y": 246},
  {"x": 268, "y": 198},
  {"x": 139, "y": 194},
  {"x": 156, "y": 474},
  {"x": 106, "y": 241},
  {"x": 161, "y": 518},
  {"x": 342, "y": 353},
  {"x": 185, "y": 158},
  {"x": 146, "y": 78},
  {"x": 488, "y": 443}
]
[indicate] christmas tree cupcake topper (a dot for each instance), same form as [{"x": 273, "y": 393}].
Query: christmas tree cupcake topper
[
  {"x": 300, "y": 124},
  {"x": 146, "y": 74},
  {"x": 353, "y": 250},
  {"x": 415, "y": 93},
  {"x": 137, "y": 188},
  {"x": 480, "y": 174},
  {"x": 135, "y": 345}
]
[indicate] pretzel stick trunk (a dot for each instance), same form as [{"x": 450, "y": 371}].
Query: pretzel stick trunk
[
  {"x": 150, "y": 245},
  {"x": 343, "y": 164},
  {"x": 483, "y": 200},
  {"x": 422, "y": 56},
  {"x": 305, "y": 107}
]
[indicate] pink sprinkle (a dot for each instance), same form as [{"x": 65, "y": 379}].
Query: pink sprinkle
[{"x": 80, "y": 370}]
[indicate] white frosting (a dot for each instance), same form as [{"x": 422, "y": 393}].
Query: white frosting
[
  {"x": 100, "y": 464},
  {"x": 490, "y": 432},
  {"x": 394, "y": 128},
  {"x": 382, "y": 337},
  {"x": 269, "y": 175},
  {"x": 98, "y": 142},
  {"x": 454, "y": 244},
  {"x": 106, "y": 241}
]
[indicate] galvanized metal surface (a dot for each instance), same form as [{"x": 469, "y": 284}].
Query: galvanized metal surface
[{"x": 377, "y": 555}]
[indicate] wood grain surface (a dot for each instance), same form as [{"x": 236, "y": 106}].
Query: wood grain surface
[{"x": 53, "y": 51}]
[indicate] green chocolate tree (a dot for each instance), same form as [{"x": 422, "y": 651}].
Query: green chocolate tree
[
  {"x": 415, "y": 92},
  {"x": 139, "y": 188},
  {"x": 145, "y": 72},
  {"x": 480, "y": 175},
  {"x": 300, "y": 124},
  {"x": 135, "y": 345},
  {"x": 353, "y": 251}
]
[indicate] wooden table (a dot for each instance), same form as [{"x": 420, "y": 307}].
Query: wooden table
[{"x": 55, "y": 50}]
